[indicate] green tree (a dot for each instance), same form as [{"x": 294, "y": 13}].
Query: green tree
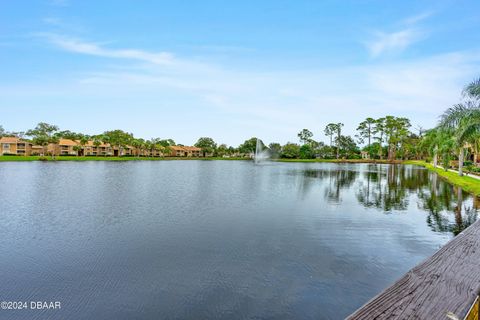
[
  {"x": 275, "y": 149},
  {"x": 249, "y": 145},
  {"x": 306, "y": 152},
  {"x": 77, "y": 148},
  {"x": 117, "y": 139},
  {"x": 165, "y": 145},
  {"x": 338, "y": 130},
  {"x": 305, "y": 136},
  {"x": 67, "y": 134},
  {"x": 97, "y": 142},
  {"x": 447, "y": 147},
  {"x": 222, "y": 150},
  {"x": 2, "y": 132},
  {"x": 347, "y": 146},
  {"x": 430, "y": 144},
  {"x": 153, "y": 145},
  {"x": 83, "y": 142},
  {"x": 396, "y": 131},
  {"x": 464, "y": 121},
  {"x": 472, "y": 90},
  {"x": 380, "y": 130},
  {"x": 43, "y": 135},
  {"x": 207, "y": 145},
  {"x": 290, "y": 150},
  {"x": 330, "y": 131},
  {"x": 366, "y": 130}
]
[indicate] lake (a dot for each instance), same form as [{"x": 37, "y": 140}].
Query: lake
[{"x": 216, "y": 239}]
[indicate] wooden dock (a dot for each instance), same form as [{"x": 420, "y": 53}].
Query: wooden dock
[{"x": 445, "y": 286}]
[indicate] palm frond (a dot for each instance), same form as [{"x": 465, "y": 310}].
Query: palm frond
[
  {"x": 468, "y": 129},
  {"x": 452, "y": 116},
  {"x": 472, "y": 90}
]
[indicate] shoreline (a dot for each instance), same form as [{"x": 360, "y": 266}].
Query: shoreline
[
  {"x": 467, "y": 183},
  {"x": 100, "y": 158}
]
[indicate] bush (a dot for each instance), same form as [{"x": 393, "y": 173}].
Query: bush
[
  {"x": 9, "y": 154},
  {"x": 306, "y": 152}
]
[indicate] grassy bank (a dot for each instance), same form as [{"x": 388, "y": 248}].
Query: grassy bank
[
  {"x": 467, "y": 183},
  {"x": 73, "y": 158}
]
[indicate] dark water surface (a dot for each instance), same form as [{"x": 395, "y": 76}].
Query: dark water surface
[{"x": 215, "y": 239}]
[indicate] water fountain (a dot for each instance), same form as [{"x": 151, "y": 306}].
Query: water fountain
[{"x": 260, "y": 154}]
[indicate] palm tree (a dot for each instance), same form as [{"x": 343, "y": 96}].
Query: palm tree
[
  {"x": 472, "y": 90},
  {"x": 138, "y": 144},
  {"x": 464, "y": 119},
  {"x": 97, "y": 143},
  {"x": 430, "y": 143},
  {"x": 447, "y": 145}
]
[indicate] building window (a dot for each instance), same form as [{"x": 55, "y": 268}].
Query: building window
[{"x": 6, "y": 146}]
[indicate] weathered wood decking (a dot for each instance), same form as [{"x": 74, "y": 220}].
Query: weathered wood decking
[{"x": 447, "y": 282}]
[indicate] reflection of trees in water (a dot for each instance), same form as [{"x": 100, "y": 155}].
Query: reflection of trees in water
[
  {"x": 337, "y": 181},
  {"x": 387, "y": 188},
  {"x": 390, "y": 189},
  {"x": 441, "y": 200}
]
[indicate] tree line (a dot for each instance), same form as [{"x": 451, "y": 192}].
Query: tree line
[{"x": 454, "y": 139}]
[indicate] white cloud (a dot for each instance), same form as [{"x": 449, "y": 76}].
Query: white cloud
[
  {"x": 393, "y": 42},
  {"x": 398, "y": 41},
  {"x": 233, "y": 104},
  {"x": 418, "y": 18},
  {"x": 90, "y": 48}
]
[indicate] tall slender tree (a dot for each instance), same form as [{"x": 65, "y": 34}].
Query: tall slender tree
[
  {"x": 338, "y": 130},
  {"x": 380, "y": 129},
  {"x": 366, "y": 129},
  {"x": 330, "y": 132},
  {"x": 305, "y": 136}
]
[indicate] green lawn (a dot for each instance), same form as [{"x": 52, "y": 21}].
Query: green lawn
[
  {"x": 467, "y": 183},
  {"x": 72, "y": 158}
]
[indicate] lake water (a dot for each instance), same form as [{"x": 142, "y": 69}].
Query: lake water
[{"x": 215, "y": 239}]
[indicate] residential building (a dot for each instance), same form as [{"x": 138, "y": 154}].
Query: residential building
[
  {"x": 14, "y": 146},
  {"x": 37, "y": 150},
  {"x": 102, "y": 149},
  {"x": 185, "y": 151},
  {"x": 64, "y": 147}
]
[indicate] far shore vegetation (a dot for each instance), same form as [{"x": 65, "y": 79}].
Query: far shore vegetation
[
  {"x": 10, "y": 158},
  {"x": 453, "y": 144}
]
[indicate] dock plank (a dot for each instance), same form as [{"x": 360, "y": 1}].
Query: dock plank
[{"x": 448, "y": 281}]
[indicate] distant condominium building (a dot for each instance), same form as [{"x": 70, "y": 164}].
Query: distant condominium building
[
  {"x": 185, "y": 151},
  {"x": 68, "y": 147},
  {"x": 15, "y": 146}
]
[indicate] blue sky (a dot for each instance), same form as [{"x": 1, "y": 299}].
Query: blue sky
[{"x": 232, "y": 69}]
